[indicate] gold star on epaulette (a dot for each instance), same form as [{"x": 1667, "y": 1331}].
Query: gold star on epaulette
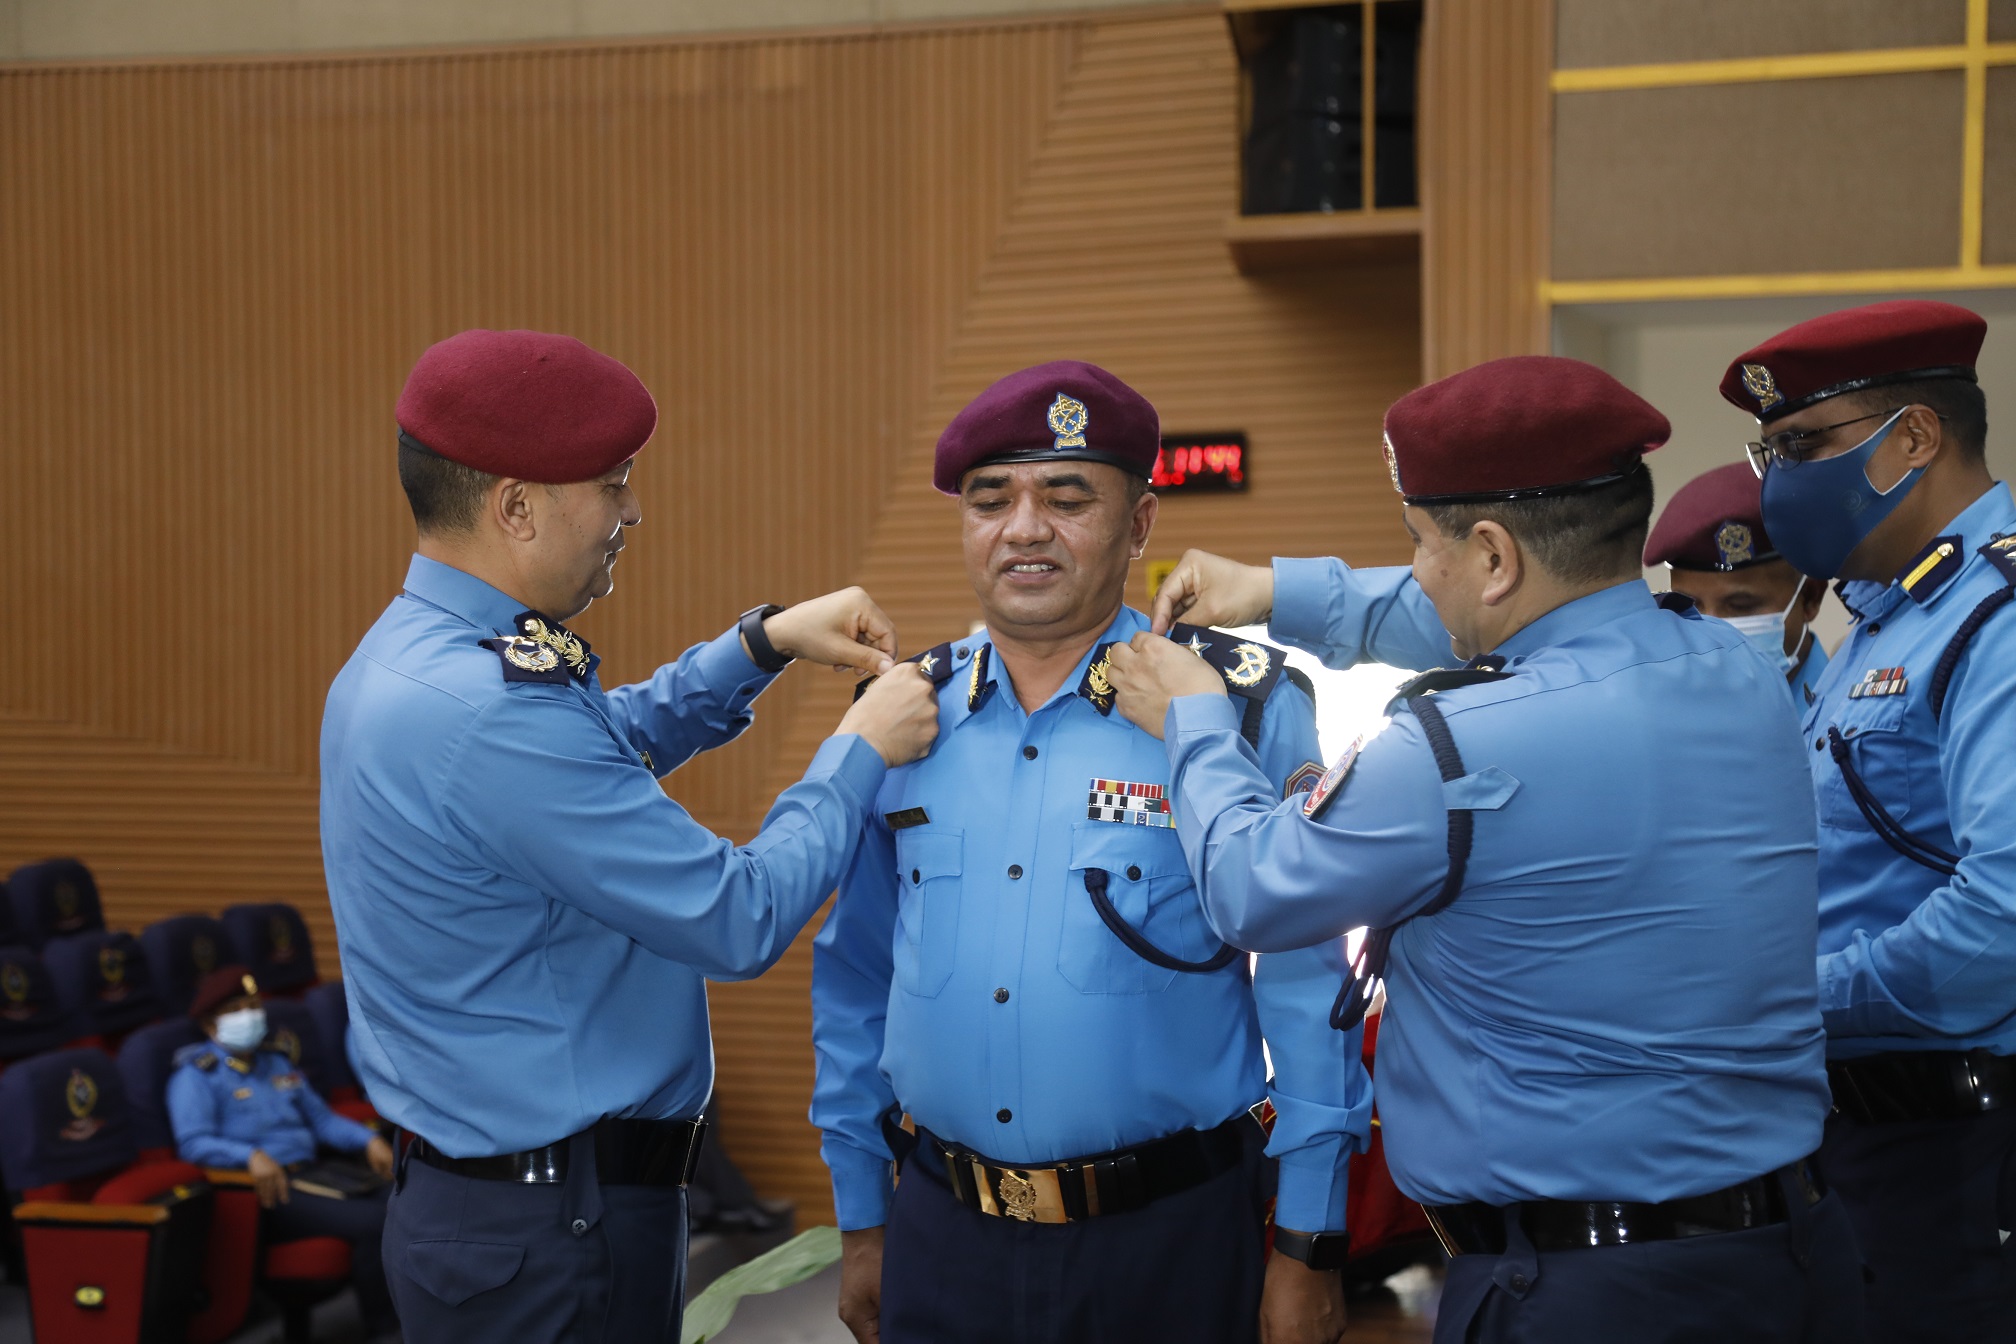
[
  {"x": 1197, "y": 645},
  {"x": 205, "y": 1062},
  {"x": 928, "y": 664}
]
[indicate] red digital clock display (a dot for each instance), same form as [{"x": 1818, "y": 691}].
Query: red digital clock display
[{"x": 1201, "y": 463}]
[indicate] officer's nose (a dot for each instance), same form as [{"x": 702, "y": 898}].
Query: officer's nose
[{"x": 1027, "y": 524}]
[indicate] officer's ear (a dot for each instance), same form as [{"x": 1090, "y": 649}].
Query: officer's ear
[
  {"x": 1146, "y": 506},
  {"x": 1498, "y": 563},
  {"x": 511, "y": 508}
]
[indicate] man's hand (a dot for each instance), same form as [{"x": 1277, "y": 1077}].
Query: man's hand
[
  {"x": 1300, "y": 1305},
  {"x": 844, "y": 629},
  {"x": 898, "y": 715},
  {"x": 269, "y": 1179},
  {"x": 1150, "y": 671},
  {"x": 1207, "y": 589},
  {"x": 861, "y": 1283},
  {"x": 378, "y": 1154}
]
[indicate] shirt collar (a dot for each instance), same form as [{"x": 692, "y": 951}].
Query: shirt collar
[
  {"x": 1584, "y": 614},
  {"x": 460, "y": 593},
  {"x": 1122, "y": 628}
]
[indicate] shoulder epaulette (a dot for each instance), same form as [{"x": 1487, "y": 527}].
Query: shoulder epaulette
[
  {"x": 1439, "y": 679},
  {"x": 202, "y": 1055},
  {"x": 527, "y": 659},
  {"x": 935, "y": 661},
  {"x": 1250, "y": 668},
  {"x": 1301, "y": 679},
  {"x": 2001, "y": 553}
]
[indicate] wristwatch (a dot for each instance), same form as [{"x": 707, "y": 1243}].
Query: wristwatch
[
  {"x": 1318, "y": 1250},
  {"x": 761, "y": 651}
]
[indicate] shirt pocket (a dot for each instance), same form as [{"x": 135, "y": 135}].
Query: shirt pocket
[
  {"x": 1879, "y": 744},
  {"x": 1149, "y": 885},
  {"x": 929, "y": 862}
]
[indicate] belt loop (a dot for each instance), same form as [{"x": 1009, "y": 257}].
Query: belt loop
[
  {"x": 581, "y": 1197},
  {"x": 1519, "y": 1268},
  {"x": 1798, "y": 1215},
  {"x": 402, "y": 1145}
]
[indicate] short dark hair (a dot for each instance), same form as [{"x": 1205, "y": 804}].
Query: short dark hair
[
  {"x": 445, "y": 496},
  {"x": 1583, "y": 537},
  {"x": 1961, "y": 406}
]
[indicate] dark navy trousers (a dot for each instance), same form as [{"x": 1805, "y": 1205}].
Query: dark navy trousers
[
  {"x": 1792, "y": 1283},
  {"x": 1187, "y": 1269},
  {"x": 475, "y": 1260},
  {"x": 1928, "y": 1200},
  {"x": 361, "y": 1222}
]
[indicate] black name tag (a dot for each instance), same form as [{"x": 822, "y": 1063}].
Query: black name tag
[{"x": 908, "y": 817}]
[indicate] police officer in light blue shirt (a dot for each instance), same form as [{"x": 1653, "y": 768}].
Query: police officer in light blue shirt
[
  {"x": 1018, "y": 960},
  {"x": 527, "y": 920},
  {"x": 1712, "y": 540},
  {"x": 1600, "y": 1065},
  {"x": 1874, "y": 434},
  {"x": 237, "y": 1103}
]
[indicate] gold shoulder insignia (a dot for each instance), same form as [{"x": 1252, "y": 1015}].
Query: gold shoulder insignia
[{"x": 206, "y": 1061}]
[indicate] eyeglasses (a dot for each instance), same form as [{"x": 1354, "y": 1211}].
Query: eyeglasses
[{"x": 1791, "y": 447}]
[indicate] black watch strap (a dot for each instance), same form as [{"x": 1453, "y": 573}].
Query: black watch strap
[
  {"x": 761, "y": 651},
  {"x": 1318, "y": 1250}
]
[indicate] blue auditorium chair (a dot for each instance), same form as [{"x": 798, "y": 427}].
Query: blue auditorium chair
[
  {"x": 32, "y": 1016},
  {"x": 272, "y": 942},
  {"x": 51, "y": 899},
  {"x": 103, "y": 976},
  {"x": 146, "y": 1059},
  {"x": 180, "y": 952},
  {"x": 115, "y": 1247}
]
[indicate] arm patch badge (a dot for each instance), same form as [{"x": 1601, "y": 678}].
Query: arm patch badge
[
  {"x": 1326, "y": 788},
  {"x": 1306, "y": 777}
]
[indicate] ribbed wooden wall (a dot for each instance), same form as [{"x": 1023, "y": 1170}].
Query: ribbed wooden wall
[
  {"x": 813, "y": 250},
  {"x": 1485, "y": 133}
]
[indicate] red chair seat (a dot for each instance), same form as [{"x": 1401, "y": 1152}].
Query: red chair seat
[{"x": 309, "y": 1258}]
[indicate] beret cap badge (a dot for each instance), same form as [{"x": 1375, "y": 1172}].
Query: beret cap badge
[
  {"x": 1067, "y": 421},
  {"x": 1759, "y": 383},
  {"x": 1735, "y": 543}
]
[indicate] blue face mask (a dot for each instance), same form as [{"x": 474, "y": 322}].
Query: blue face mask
[
  {"x": 1818, "y": 512},
  {"x": 242, "y": 1030}
]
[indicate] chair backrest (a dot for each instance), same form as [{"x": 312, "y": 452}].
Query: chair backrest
[
  {"x": 7, "y": 938},
  {"x": 32, "y": 1016},
  {"x": 331, "y": 1011},
  {"x": 146, "y": 1061},
  {"x": 53, "y": 898},
  {"x": 273, "y": 943},
  {"x": 63, "y": 1117},
  {"x": 291, "y": 1029},
  {"x": 103, "y": 976},
  {"x": 180, "y": 952}
]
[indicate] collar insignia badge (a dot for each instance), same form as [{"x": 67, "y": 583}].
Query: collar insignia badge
[
  {"x": 1067, "y": 422},
  {"x": 1098, "y": 687},
  {"x": 1735, "y": 543},
  {"x": 1759, "y": 383}
]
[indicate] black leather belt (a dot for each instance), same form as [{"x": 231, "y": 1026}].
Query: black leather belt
[
  {"x": 1115, "y": 1182},
  {"x": 1922, "y": 1085},
  {"x": 1564, "y": 1225},
  {"x": 627, "y": 1152}
]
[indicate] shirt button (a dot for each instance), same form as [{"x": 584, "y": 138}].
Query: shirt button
[
  {"x": 1133, "y": 872},
  {"x": 580, "y": 1226},
  {"x": 1874, "y": 626},
  {"x": 1518, "y": 1284},
  {"x": 1000, "y": 996},
  {"x": 959, "y": 652},
  {"x": 1004, "y": 1115},
  {"x": 1014, "y": 870},
  {"x": 1819, "y": 744},
  {"x": 1028, "y": 753},
  {"x": 916, "y": 876}
]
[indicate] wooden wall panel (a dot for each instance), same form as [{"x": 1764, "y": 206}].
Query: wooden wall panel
[
  {"x": 1485, "y": 163},
  {"x": 813, "y": 251},
  {"x": 1643, "y": 32}
]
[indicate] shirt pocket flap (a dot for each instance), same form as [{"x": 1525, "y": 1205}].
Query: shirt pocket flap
[
  {"x": 456, "y": 1271},
  {"x": 1152, "y": 850},
  {"x": 922, "y": 855}
]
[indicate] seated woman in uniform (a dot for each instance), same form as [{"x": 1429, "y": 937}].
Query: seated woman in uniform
[{"x": 236, "y": 1103}]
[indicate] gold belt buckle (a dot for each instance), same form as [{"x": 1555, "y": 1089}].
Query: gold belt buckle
[{"x": 1028, "y": 1196}]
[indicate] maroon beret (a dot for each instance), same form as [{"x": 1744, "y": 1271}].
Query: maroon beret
[
  {"x": 525, "y": 404},
  {"x": 221, "y": 986},
  {"x": 1063, "y": 411},
  {"x": 1715, "y": 521},
  {"x": 1872, "y": 346},
  {"x": 1516, "y": 428}
]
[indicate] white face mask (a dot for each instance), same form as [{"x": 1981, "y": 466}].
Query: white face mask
[
  {"x": 1767, "y": 633},
  {"x": 242, "y": 1030}
]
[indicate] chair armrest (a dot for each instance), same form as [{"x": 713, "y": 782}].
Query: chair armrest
[
  {"x": 220, "y": 1176},
  {"x": 44, "y": 1212}
]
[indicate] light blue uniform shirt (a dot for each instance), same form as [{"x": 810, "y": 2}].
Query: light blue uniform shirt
[
  {"x": 1620, "y": 1003},
  {"x": 526, "y": 919},
  {"x": 1092, "y": 1048},
  {"x": 221, "y": 1107},
  {"x": 1911, "y": 959},
  {"x": 1805, "y": 678}
]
